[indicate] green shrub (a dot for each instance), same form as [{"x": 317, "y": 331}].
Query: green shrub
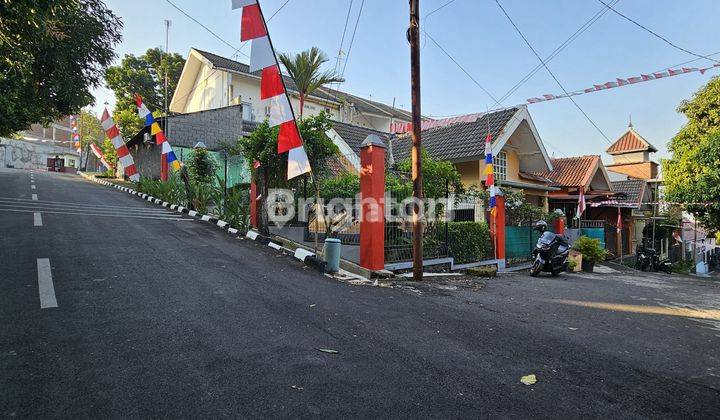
[
  {"x": 572, "y": 264},
  {"x": 590, "y": 249},
  {"x": 467, "y": 241}
]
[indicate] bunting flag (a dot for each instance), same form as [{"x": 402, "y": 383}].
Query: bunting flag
[
  {"x": 272, "y": 86},
  {"x": 156, "y": 131},
  {"x": 490, "y": 173},
  {"x": 624, "y": 82},
  {"x": 99, "y": 154},
  {"x": 75, "y": 134},
  {"x": 123, "y": 153}
]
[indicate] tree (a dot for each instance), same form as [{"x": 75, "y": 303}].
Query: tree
[
  {"x": 261, "y": 146},
  {"x": 304, "y": 69},
  {"x": 110, "y": 153},
  {"x": 91, "y": 132},
  {"x": 693, "y": 173},
  {"x": 54, "y": 53},
  {"x": 144, "y": 75}
]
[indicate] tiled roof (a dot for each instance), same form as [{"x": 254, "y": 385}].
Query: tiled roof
[
  {"x": 632, "y": 189},
  {"x": 354, "y": 135},
  {"x": 631, "y": 141},
  {"x": 457, "y": 141},
  {"x": 324, "y": 93},
  {"x": 572, "y": 171}
]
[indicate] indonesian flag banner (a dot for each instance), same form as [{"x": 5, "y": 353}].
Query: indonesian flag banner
[
  {"x": 619, "y": 221},
  {"x": 156, "y": 131},
  {"x": 624, "y": 82},
  {"x": 272, "y": 86},
  {"x": 124, "y": 155},
  {"x": 581, "y": 203},
  {"x": 99, "y": 154}
]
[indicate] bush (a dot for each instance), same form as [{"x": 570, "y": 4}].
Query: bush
[
  {"x": 467, "y": 241},
  {"x": 590, "y": 249},
  {"x": 483, "y": 271}
]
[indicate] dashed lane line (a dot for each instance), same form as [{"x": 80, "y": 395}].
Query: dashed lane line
[
  {"x": 34, "y": 197},
  {"x": 46, "y": 289},
  {"x": 38, "y": 219},
  {"x": 122, "y": 215}
]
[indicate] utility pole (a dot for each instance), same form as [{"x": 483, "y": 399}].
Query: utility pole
[{"x": 413, "y": 35}]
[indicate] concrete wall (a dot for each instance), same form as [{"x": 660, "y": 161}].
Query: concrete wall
[{"x": 33, "y": 155}]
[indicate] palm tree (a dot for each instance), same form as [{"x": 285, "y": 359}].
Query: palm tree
[{"x": 304, "y": 69}]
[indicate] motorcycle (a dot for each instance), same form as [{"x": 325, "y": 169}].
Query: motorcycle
[
  {"x": 550, "y": 253},
  {"x": 647, "y": 259}
]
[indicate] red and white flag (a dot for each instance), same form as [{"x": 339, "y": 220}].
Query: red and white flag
[
  {"x": 619, "y": 221},
  {"x": 123, "y": 153},
  {"x": 581, "y": 203},
  {"x": 272, "y": 86}
]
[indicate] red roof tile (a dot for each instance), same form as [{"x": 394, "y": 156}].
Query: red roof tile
[
  {"x": 573, "y": 171},
  {"x": 631, "y": 141}
]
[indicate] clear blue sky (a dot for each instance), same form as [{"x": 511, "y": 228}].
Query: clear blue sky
[{"x": 482, "y": 40}]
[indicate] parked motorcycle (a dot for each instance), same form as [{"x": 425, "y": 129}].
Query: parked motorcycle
[
  {"x": 647, "y": 259},
  {"x": 550, "y": 253}
]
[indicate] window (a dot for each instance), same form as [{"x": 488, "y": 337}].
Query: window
[
  {"x": 500, "y": 166},
  {"x": 247, "y": 111},
  {"x": 72, "y": 163}
]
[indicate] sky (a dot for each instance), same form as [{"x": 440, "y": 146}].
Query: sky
[{"x": 480, "y": 39}]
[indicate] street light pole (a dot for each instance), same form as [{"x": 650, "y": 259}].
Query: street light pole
[{"x": 413, "y": 35}]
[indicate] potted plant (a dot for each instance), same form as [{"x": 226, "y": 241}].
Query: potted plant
[{"x": 591, "y": 252}]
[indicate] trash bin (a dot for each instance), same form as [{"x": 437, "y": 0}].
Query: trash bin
[{"x": 332, "y": 251}]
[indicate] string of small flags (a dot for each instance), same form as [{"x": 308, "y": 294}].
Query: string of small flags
[
  {"x": 75, "y": 135},
  {"x": 624, "y": 82},
  {"x": 272, "y": 86},
  {"x": 156, "y": 131},
  {"x": 111, "y": 130}
]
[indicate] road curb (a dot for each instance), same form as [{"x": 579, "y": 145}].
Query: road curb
[{"x": 308, "y": 258}]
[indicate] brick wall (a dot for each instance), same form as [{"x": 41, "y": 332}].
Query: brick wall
[{"x": 212, "y": 127}]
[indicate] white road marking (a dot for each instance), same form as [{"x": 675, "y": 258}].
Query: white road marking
[
  {"x": 205, "y": 218},
  {"x": 38, "y": 219},
  {"x": 45, "y": 284},
  {"x": 192, "y": 213},
  {"x": 123, "y": 215},
  {"x": 34, "y": 197},
  {"x": 32, "y": 187}
]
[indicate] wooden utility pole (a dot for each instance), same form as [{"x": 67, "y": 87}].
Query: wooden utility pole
[{"x": 413, "y": 35}]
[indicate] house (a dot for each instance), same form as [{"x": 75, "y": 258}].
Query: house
[
  {"x": 34, "y": 146},
  {"x": 571, "y": 174},
  {"x": 210, "y": 81},
  {"x": 631, "y": 156},
  {"x": 518, "y": 152},
  {"x": 215, "y": 128}
]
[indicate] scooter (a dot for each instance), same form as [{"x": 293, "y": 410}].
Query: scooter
[
  {"x": 550, "y": 253},
  {"x": 647, "y": 259}
]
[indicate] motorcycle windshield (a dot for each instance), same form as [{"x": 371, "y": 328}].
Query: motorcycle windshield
[{"x": 547, "y": 238}]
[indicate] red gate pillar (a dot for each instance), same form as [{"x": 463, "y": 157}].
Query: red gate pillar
[
  {"x": 559, "y": 225},
  {"x": 499, "y": 228},
  {"x": 163, "y": 167},
  {"x": 372, "y": 195},
  {"x": 253, "y": 203}
]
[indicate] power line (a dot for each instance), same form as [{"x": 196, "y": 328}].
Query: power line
[
  {"x": 447, "y": 3},
  {"x": 461, "y": 68},
  {"x": 278, "y": 10},
  {"x": 551, "y": 73},
  {"x": 667, "y": 41},
  {"x": 559, "y": 48},
  {"x": 342, "y": 39},
  {"x": 218, "y": 37},
  {"x": 352, "y": 39}
]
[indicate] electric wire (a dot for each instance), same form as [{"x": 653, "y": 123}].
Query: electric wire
[
  {"x": 551, "y": 73},
  {"x": 655, "y": 34},
  {"x": 352, "y": 39}
]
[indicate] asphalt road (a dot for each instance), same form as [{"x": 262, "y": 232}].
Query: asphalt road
[{"x": 158, "y": 315}]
